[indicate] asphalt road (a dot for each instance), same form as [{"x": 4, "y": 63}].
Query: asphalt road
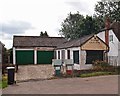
[{"x": 91, "y": 85}]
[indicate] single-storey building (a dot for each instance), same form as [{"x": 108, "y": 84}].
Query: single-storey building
[
  {"x": 41, "y": 50},
  {"x": 83, "y": 51},
  {"x": 103, "y": 46},
  {"x": 35, "y": 49}
]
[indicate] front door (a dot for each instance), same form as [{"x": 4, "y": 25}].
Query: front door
[{"x": 76, "y": 57}]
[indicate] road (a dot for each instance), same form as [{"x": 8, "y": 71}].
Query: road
[{"x": 90, "y": 85}]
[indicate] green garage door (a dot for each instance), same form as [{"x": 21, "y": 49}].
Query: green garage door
[
  {"x": 24, "y": 57},
  {"x": 45, "y": 57}
]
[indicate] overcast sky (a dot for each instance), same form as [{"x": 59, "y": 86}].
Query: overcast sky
[{"x": 30, "y": 17}]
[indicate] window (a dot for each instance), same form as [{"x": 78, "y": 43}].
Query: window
[
  {"x": 93, "y": 55},
  {"x": 58, "y": 54},
  {"x": 63, "y": 54},
  {"x": 68, "y": 54},
  {"x": 111, "y": 38}
]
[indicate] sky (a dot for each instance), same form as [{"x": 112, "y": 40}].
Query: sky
[{"x": 30, "y": 17}]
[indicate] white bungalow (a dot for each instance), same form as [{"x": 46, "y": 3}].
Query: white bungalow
[
  {"x": 103, "y": 46},
  {"x": 83, "y": 51}
]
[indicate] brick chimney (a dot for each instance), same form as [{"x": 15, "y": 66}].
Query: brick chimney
[{"x": 107, "y": 27}]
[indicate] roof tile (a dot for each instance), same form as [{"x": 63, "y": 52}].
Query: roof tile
[{"x": 37, "y": 41}]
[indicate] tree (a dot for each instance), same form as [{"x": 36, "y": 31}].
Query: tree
[
  {"x": 111, "y": 9},
  {"x": 10, "y": 52},
  {"x": 41, "y": 33},
  {"x": 76, "y": 26},
  {"x": 70, "y": 27},
  {"x": 44, "y": 34},
  {"x": 5, "y": 55},
  {"x": 90, "y": 25}
]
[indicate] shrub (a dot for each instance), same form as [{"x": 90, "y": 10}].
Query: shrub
[
  {"x": 102, "y": 66},
  {"x": 117, "y": 70}
]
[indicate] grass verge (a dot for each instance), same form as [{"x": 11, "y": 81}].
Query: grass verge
[
  {"x": 95, "y": 74},
  {"x": 3, "y": 82}
]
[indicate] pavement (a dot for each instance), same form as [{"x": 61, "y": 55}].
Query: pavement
[{"x": 90, "y": 85}]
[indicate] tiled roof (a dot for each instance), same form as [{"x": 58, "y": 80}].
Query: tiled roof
[
  {"x": 37, "y": 41},
  {"x": 116, "y": 28},
  {"x": 75, "y": 42}
]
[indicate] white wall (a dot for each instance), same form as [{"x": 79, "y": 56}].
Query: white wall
[
  {"x": 14, "y": 55},
  {"x": 57, "y": 54},
  {"x": 66, "y": 54},
  {"x": 82, "y": 57},
  {"x": 83, "y": 64},
  {"x": 113, "y": 47},
  {"x": 71, "y": 53},
  {"x": 113, "y": 44},
  {"x": 74, "y": 49},
  {"x": 113, "y": 51},
  {"x": 119, "y": 54},
  {"x": 101, "y": 35}
]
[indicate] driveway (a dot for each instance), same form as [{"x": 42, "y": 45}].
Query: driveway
[
  {"x": 41, "y": 71},
  {"x": 91, "y": 85}
]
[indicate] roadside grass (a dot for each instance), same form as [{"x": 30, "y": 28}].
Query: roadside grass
[
  {"x": 96, "y": 74},
  {"x": 3, "y": 82},
  {"x": 100, "y": 68},
  {"x": 115, "y": 71},
  {"x": 91, "y": 73}
]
